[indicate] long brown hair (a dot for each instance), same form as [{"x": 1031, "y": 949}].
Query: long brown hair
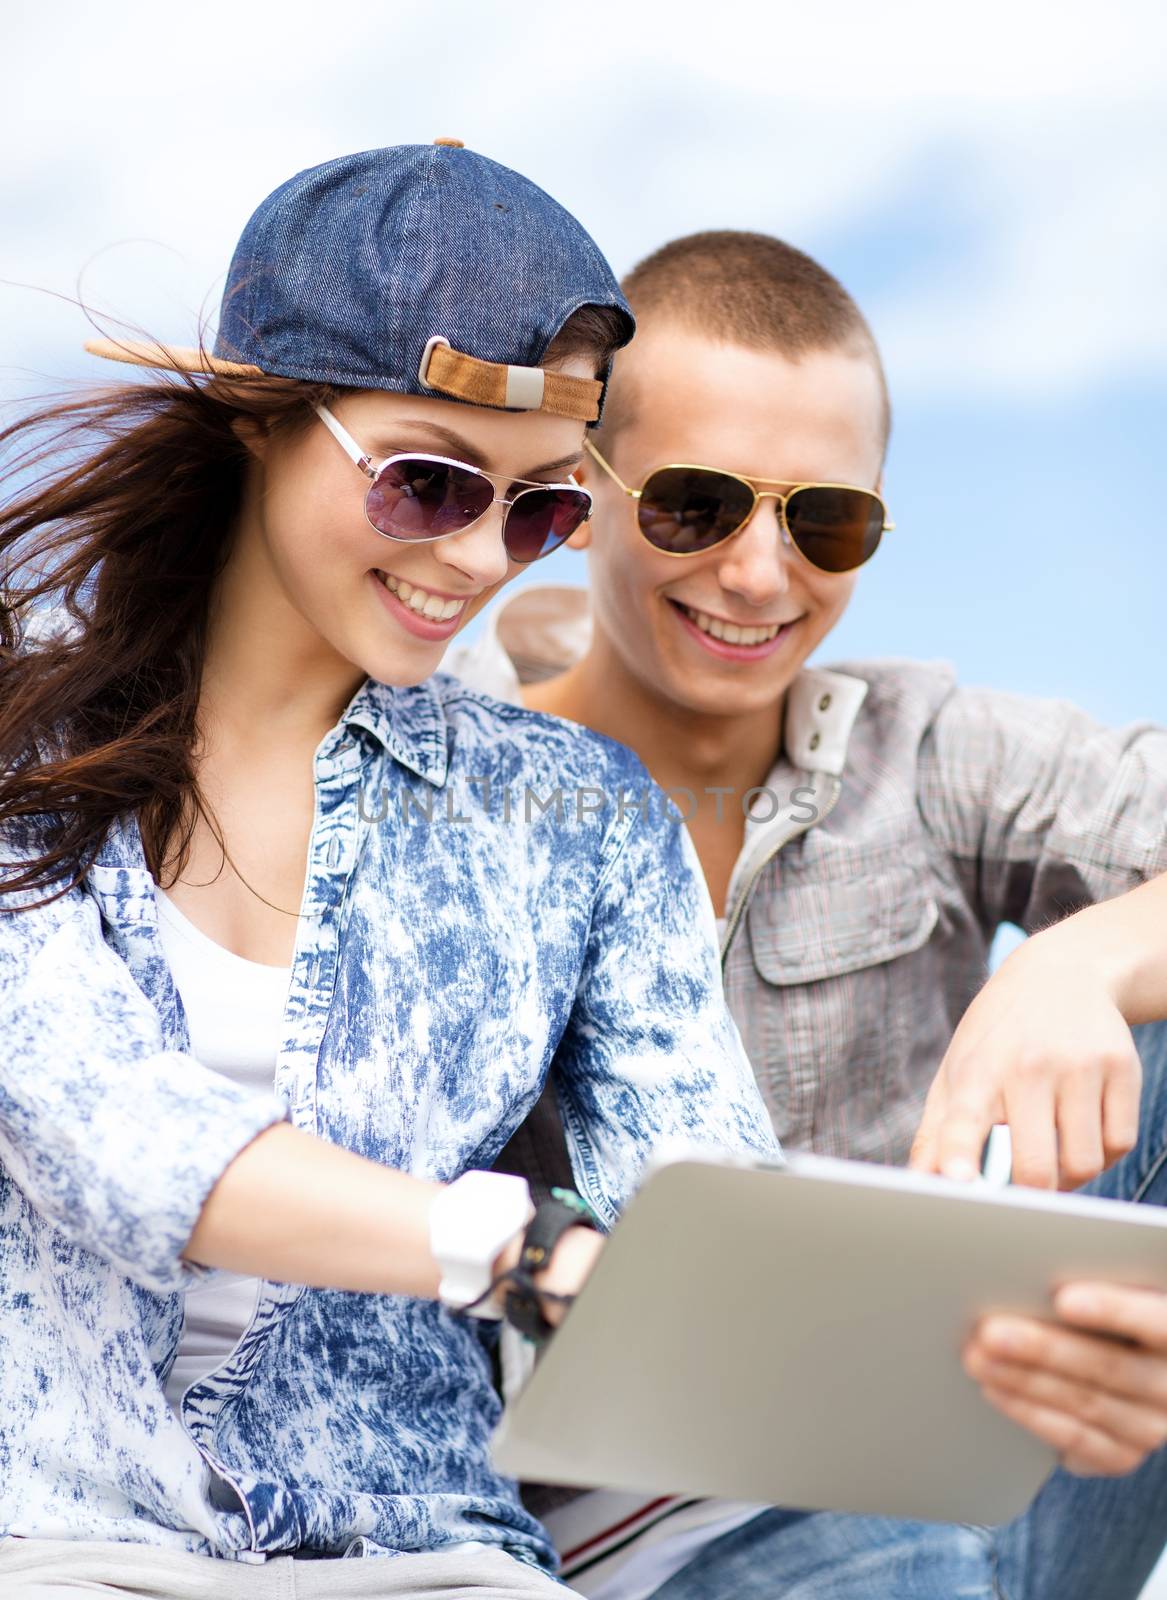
[{"x": 129, "y": 501}]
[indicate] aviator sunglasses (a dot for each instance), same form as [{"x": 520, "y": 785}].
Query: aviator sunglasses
[
  {"x": 685, "y": 510},
  {"x": 416, "y": 498}
]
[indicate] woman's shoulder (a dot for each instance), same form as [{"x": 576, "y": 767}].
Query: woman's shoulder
[{"x": 478, "y": 721}]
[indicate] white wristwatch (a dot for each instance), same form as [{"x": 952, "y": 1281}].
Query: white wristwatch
[{"x": 470, "y": 1222}]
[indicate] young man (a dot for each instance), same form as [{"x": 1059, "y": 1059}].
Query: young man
[{"x": 863, "y": 833}]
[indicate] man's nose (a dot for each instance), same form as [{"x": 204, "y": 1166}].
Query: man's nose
[{"x": 757, "y": 561}]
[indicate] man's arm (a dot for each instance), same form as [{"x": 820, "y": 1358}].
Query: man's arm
[
  {"x": 1046, "y": 1047},
  {"x": 1050, "y": 1029},
  {"x": 1042, "y": 812},
  {"x": 1040, "y": 809}
]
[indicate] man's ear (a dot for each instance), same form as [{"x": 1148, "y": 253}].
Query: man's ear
[{"x": 252, "y": 435}]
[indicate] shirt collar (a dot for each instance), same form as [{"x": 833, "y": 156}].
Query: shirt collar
[{"x": 410, "y": 724}]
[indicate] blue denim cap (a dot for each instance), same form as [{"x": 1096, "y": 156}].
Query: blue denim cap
[{"x": 420, "y": 269}]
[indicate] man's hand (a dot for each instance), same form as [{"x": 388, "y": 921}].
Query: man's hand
[
  {"x": 1102, "y": 1405},
  {"x": 1044, "y": 1048}
]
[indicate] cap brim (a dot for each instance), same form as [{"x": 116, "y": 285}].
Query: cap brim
[{"x": 169, "y": 358}]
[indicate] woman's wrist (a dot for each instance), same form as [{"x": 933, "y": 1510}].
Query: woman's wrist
[
  {"x": 544, "y": 1267},
  {"x": 472, "y": 1220}
]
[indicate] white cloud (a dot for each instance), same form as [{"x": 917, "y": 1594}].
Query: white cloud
[{"x": 1043, "y": 125}]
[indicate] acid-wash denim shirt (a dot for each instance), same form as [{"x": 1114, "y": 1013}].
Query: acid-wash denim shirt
[{"x": 451, "y": 952}]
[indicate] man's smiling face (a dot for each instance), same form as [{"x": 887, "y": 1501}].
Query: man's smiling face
[{"x": 685, "y": 398}]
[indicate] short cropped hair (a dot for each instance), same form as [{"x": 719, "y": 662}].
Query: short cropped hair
[{"x": 749, "y": 289}]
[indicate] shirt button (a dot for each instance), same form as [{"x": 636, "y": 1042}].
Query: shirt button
[
  {"x": 815, "y": 740},
  {"x": 825, "y": 703}
]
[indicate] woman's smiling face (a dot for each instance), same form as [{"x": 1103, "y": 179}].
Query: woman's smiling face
[{"x": 390, "y": 608}]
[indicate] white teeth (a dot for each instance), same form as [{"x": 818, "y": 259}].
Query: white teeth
[
  {"x": 730, "y": 632},
  {"x": 425, "y": 604}
]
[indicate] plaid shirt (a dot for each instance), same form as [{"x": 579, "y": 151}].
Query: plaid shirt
[{"x": 860, "y": 916}]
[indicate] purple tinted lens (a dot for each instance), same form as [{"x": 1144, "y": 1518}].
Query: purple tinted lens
[
  {"x": 540, "y": 520},
  {"x": 414, "y": 498}
]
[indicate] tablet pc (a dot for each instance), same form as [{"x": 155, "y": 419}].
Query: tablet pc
[{"x": 791, "y": 1335}]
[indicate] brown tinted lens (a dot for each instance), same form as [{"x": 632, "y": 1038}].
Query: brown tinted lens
[
  {"x": 687, "y": 509},
  {"x": 540, "y": 520},
  {"x": 837, "y": 530},
  {"x": 415, "y": 498}
]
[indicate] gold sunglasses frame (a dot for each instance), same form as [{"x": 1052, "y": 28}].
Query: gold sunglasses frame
[{"x": 758, "y": 494}]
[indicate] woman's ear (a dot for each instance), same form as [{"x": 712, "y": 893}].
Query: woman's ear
[
  {"x": 582, "y": 536},
  {"x": 251, "y": 435}
]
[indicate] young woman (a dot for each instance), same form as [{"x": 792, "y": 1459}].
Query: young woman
[{"x": 285, "y": 952}]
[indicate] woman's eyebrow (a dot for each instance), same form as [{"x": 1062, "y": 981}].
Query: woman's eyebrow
[{"x": 454, "y": 444}]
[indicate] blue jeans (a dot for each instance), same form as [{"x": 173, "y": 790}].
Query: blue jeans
[{"x": 1081, "y": 1539}]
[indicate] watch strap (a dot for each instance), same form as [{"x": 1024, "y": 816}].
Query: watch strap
[{"x": 523, "y": 1301}]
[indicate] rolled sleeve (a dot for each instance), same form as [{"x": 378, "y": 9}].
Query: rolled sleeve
[{"x": 112, "y": 1137}]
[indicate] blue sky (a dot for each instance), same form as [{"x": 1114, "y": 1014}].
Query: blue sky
[{"x": 988, "y": 185}]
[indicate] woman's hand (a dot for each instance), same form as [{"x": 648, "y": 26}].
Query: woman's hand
[
  {"x": 565, "y": 1274},
  {"x": 1101, "y": 1404}
]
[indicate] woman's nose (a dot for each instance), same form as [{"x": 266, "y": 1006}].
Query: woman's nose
[{"x": 479, "y": 553}]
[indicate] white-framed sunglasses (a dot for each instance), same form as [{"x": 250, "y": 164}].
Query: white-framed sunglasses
[{"x": 415, "y": 498}]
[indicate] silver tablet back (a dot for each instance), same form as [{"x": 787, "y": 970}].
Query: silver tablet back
[{"x": 792, "y": 1336}]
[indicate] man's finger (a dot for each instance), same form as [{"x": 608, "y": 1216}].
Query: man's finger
[
  {"x": 1083, "y": 1449},
  {"x": 1079, "y": 1128},
  {"x": 1120, "y": 1109},
  {"x": 1138, "y": 1314},
  {"x": 1137, "y": 1426},
  {"x": 960, "y": 1141},
  {"x": 923, "y": 1156},
  {"x": 1029, "y": 1111},
  {"x": 1127, "y": 1372}
]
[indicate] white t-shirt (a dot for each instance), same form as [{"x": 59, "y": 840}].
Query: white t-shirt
[{"x": 234, "y": 1009}]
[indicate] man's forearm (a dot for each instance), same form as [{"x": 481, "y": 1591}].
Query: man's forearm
[{"x": 1124, "y": 940}]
